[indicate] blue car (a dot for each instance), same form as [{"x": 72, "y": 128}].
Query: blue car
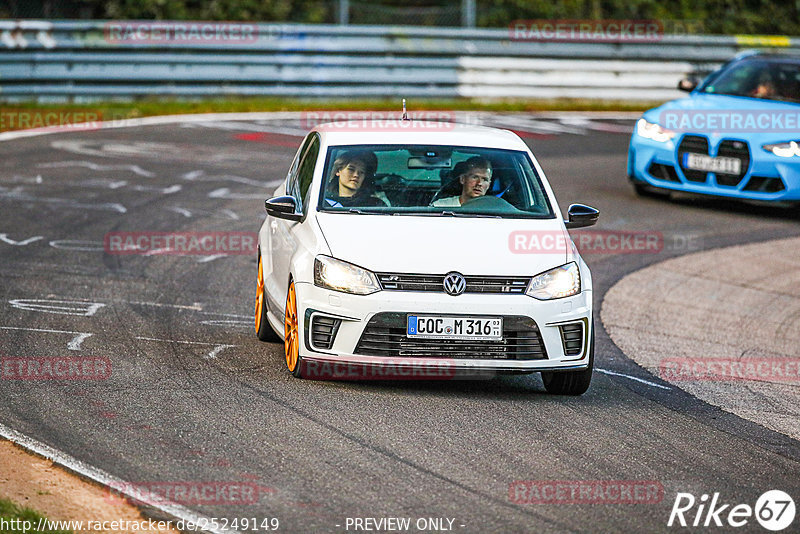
[{"x": 736, "y": 135}]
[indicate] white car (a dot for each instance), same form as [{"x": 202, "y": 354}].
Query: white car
[{"x": 429, "y": 252}]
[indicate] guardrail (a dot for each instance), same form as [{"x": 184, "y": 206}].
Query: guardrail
[{"x": 77, "y": 61}]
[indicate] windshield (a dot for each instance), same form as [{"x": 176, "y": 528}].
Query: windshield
[
  {"x": 432, "y": 180},
  {"x": 757, "y": 78}
]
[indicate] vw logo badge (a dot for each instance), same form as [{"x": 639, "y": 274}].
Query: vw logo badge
[{"x": 454, "y": 283}]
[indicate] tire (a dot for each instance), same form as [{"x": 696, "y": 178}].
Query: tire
[
  {"x": 570, "y": 382},
  {"x": 264, "y": 331},
  {"x": 291, "y": 341}
]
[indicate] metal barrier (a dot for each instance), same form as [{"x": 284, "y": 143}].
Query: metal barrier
[{"x": 78, "y": 61}]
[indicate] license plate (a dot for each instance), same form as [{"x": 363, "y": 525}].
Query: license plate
[
  {"x": 720, "y": 164},
  {"x": 443, "y": 327}
]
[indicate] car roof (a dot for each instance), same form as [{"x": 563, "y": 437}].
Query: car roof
[
  {"x": 763, "y": 54},
  {"x": 415, "y": 132}
]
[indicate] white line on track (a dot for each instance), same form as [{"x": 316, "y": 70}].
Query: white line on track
[
  {"x": 218, "y": 347},
  {"x": 103, "y": 478},
  {"x": 75, "y": 344},
  {"x": 96, "y": 167},
  {"x": 643, "y": 381}
]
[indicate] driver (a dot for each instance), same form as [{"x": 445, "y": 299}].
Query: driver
[{"x": 475, "y": 175}]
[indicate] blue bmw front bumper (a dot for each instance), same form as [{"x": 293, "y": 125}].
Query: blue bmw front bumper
[{"x": 763, "y": 176}]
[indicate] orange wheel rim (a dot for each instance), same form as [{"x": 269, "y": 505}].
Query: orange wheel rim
[
  {"x": 259, "y": 296},
  {"x": 291, "y": 334}
]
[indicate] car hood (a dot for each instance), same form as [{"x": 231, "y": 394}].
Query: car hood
[
  {"x": 437, "y": 245},
  {"x": 705, "y": 102}
]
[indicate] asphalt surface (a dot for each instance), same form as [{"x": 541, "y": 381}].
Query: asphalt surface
[{"x": 224, "y": 408}]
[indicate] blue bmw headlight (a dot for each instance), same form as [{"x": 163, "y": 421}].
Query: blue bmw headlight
[
  {"x": 651, "y": 130},
  {"x": 790, "y": 149}
]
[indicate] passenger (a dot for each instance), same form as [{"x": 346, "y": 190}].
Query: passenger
[
  {"x": 355, "y": 171},
  {"x": 475, "y": 175}
]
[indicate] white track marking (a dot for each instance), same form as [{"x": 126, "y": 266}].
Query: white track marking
[
  {"x": 267, "y": 116},
  {"x": 61, "y": 307},
  {"x": 5, "y": 239},
  {"x": 163, "y": 190},
  {"x": 182, "y": 211},
  {"x": 612, "y": 373},
  {"x": 218, "y": 347},
  {"x": 75, "y": 344},
  {"x": 206, "y": 259},
  {"x": 228, "y": 322},
  {"x": 17, "y": 194},
  {"x": 201, "y": 176},
  {"x": 74, "y": 244},
  {"x": 104, "y": 479},
  {"x": 220, "y": 214},
  {"x": 225, "y": 193},
  {"x": 193, "y": 307},
  {"x": 96, "y": 167}
]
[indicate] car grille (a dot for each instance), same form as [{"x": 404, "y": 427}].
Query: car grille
[
  {"x": 385, "y": 335},
  {"x": 697, "y": 145},
  {"x": 733, "y": 149},
  {"x": 435, "y": 282}
]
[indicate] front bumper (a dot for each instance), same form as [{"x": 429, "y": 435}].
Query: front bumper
[
  {"x": 657, "y": 164},
  {"x": 356, "y": 311}
]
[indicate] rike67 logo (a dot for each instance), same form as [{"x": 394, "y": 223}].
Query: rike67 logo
[{"x": 774, "y": 510}]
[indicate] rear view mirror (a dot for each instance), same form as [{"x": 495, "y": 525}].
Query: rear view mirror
[
  {"x": 432, "y": 162},
  {"x": 688, "y": 84},
  {"x": 581, "y": 215}
]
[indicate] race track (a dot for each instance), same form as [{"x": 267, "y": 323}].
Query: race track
[{"x": 195, "y": 397}]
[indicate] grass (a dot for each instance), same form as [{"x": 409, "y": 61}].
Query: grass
[
  {"x": 108, "y": 110},
  {"x": 12, "y": 518}
]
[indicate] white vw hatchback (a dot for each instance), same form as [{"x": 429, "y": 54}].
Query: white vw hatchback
[{"x": 425, "y": 251}]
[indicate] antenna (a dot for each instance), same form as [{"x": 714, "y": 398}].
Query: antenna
[{"x": 405, "y": 115}]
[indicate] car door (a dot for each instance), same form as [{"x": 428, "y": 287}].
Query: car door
[{"x": 283, "y": 243}]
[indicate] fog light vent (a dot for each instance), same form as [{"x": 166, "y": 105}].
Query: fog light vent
[
  {"x": 572, "y": 338},
  {"x": 323, "y": 331}
]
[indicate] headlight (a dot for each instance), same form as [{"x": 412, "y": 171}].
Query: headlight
[
  {"x": 784, "y": 150},
  {"x": 651, "y": 130},
  {"x": 557, "y": 283},
  {"x": 345, "y": 277}
]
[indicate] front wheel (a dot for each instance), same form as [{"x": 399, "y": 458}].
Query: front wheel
[
  {"x": 570, "y": 382},
  {"x": 292, "y": 333}
]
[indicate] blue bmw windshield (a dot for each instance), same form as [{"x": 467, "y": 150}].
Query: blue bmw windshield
[
  {"x": 758, "y": 78},
  {"x": 432, "y": 180}
]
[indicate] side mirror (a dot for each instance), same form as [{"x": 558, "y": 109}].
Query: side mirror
[
  {"x": 283, "y": 208},
  {"x": 688, "y": 84},
  {"x": 580, "y": 216}
]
